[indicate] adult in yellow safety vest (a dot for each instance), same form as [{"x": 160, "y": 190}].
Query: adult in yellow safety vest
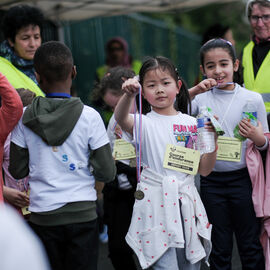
[
  {"x": 22, "y": 26},
  {"x": 116, "y": 55},
  {"x": 256, "y": 54}
]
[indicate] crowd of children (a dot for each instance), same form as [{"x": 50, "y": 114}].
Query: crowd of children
[{"x": 60, "y": 152}]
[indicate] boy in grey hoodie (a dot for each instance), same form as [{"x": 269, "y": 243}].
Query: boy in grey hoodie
[{"x": 63, "y": 146}]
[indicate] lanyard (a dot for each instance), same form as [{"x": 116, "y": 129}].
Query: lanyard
[
  {"x": 58, "y": 95},
  {"x": 228, "y": 108},
  {"x": 115, "y": 131},
  {"x": 138, "y": 141}
]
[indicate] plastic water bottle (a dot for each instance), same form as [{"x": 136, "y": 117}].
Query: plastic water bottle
[
  {"x": 249, "y": 113},
  {"x": 205, "y": 139}
]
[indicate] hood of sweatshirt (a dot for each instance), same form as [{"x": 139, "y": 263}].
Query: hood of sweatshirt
[{"x": 53, "y": 119}]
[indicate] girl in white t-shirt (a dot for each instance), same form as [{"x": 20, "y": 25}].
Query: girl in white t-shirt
[
  {"x": 227, "y": 191},
  {"x": 169, "y": 227}
]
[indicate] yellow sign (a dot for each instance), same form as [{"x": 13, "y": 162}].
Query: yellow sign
[
  {"x": 181, "y": 159},
  {"x": 229, "y": 149},
  {"x": 25, "y": 210},
  {"x": 123, "y": 150}
]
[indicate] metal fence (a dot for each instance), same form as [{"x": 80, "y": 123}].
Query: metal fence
[{"x": 145, "y": 36}]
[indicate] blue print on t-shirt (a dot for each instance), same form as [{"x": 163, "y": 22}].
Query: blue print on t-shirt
[
  {"x": 65, "y": 158},
  {"x": 72, "y": 167}
]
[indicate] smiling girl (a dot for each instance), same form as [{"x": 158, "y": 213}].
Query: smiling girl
[{"x": 226, "y": 192}]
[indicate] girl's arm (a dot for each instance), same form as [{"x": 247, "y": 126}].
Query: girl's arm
[
  {"x": 208, "y": 160},
  {"x": 15, "y": 197},
  {"x": 124, "y": 119},
  {"x": 207, "y": 163},
  {"x": 201, "y": 87}
]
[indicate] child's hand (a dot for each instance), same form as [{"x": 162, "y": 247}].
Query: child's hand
[
  {"x": 131, "y": 87},
  {"x": 205, "y": 85},
  {"x": 247, "y": 130},
  {"x": 201, "y": 87},
  {"x": 16, "y": 197}
]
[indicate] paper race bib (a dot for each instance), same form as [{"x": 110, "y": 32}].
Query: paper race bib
[
  {"x": 123, "y": 150},
  {"x": 25, "y": 210},
  {"x": 229, "y": 149},
  {"x": 181, "y": 159}
]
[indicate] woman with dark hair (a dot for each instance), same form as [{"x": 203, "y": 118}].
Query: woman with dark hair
[
  {"x": 22, "y": 27},
  {"x": 117, "y": 55}
]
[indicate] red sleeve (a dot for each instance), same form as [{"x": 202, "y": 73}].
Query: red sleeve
[
  {"x": 11, "y": 109},
  {"x": 10, "y": 114}
]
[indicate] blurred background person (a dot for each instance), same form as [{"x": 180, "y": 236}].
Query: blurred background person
[
  {"x": 256, "y": 56},
  {"x": 19, "y": 246},
  {"x": 117, "y": 55},
  {"x": 22, "y": 26}
]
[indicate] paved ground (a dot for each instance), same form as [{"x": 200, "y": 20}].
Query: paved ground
[{"x": 105, "y": 264}]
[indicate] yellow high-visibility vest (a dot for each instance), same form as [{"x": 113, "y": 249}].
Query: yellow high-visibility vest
[
  {"x": 260, "y": 84},
  {"x": 17, "y": 78}
]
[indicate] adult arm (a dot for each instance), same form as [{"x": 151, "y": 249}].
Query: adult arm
[{"x": 11, "y": 109}]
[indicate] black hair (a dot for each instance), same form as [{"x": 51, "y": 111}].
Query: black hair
[
  {"x": 112, "y": 80},
  {"x": 227, "y": 46},
  {"x": 263, "y": 3},
  {"x": 18, "y": 17},
  {"x": 215, "y": 31},
  {"x": 182, "y": 102},
  {"x": 53, "y": 60}
]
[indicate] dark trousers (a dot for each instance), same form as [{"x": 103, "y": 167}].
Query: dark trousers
[
  {"x": 70, "y": 247},
  {"x": 118, "y": 207},
  {"x": 228, "y": 202}
]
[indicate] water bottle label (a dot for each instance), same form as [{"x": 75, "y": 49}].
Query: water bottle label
[
  {"x": 200, "y": 123},
  {"x": 251, "y": 117}
]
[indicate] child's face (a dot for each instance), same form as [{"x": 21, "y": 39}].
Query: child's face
[
  {"x": 218, "y": 65},
  {"x": 160, "y": 90},
  {"x": 111, "y": 99}
]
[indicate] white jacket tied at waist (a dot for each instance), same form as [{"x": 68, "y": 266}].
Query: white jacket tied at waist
[{"x": 157, "y": 222}]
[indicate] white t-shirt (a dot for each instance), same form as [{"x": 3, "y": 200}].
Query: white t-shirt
[
  {"x": 122, "y": 178},
  {"x": 219, "y": 101},
  {"x": 59, "y": 175},
  {"x": 158, "y": 131}
]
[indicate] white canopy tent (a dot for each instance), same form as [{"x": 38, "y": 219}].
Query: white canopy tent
[{"x": 60, "y": 10}]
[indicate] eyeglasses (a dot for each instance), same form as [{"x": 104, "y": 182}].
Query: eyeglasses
[{"x": 255, "y": 18}]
